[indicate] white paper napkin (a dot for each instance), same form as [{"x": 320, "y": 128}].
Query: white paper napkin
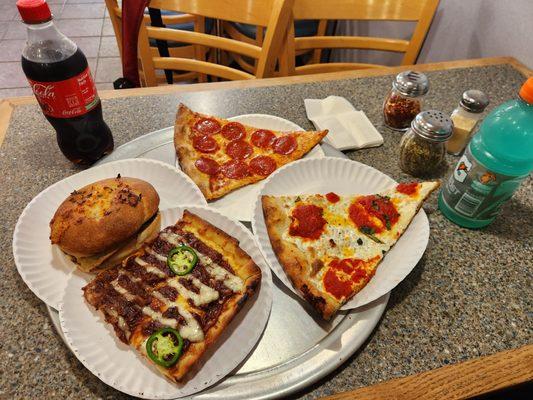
[{"x": 348, "y": 127}]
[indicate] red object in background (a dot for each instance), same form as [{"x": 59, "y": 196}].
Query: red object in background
[
  {"x": 132, "y": 16},
  {"x": 60, "y": 78}
]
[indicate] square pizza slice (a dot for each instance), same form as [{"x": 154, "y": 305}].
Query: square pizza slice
[{"x": 174, "y": 298}]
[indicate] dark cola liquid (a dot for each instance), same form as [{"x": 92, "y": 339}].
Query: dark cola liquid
[{"x": 83, "y": 139}]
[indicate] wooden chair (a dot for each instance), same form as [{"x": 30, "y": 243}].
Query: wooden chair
[
  {"x": 191, "y": 22},
  {"x": 421, "y": 11},
  {"x": 254, "y": 35},
  {"x": 271, "y": 14}
]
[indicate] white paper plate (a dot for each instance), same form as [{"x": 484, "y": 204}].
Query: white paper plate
[
  {"x": 43, "y": 267},
  {"x": 95, "y": 345},
  {"x": 239, "y": 203},
  {"x": 343, "y": 177}
]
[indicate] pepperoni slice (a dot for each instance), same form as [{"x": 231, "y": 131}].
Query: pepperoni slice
[
  {"x": 239, "y": 149},
  {"x": 233, "y": 131},
  {"x": 285, "y": 144},
  {"x": 205, "y": 144},
  {"x": 262, "y": 165},
  {"x": 235, "y": 169},
  {"x": 263, "y": 138},
  {"x": 207, "y": 126},
  {"x": 207, "y": 165}
]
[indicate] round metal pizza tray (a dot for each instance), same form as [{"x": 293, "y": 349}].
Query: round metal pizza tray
[{"x": 296, "y": 348}]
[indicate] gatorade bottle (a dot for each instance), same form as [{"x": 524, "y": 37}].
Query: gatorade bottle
[{"x": 498, "y": 158}]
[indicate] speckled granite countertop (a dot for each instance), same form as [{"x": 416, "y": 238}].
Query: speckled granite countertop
[{"x": 470, "y": 295}]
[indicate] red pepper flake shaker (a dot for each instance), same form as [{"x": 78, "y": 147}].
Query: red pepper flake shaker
[{"x": 404, "y": 100}]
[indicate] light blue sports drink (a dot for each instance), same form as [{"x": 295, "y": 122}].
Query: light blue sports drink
[{"x": 498, "y": 158}]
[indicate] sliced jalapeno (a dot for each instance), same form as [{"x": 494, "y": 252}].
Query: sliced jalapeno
[
  {"x": 164, "y": 347},
  {"x": 181, "y": 260}
]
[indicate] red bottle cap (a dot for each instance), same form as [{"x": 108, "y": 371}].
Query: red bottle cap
[{"x": 34, "y": 11}]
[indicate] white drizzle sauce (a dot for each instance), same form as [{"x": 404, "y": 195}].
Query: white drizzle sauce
[
  {"x": 121, "y": 323},
  {"x": 206, "y": 295},
  {"x": 150, "y": 268},
  {"x": 156, "y": 255},
  {"x": 232, "y": 282},
  {"x": 191, "y": 330}
]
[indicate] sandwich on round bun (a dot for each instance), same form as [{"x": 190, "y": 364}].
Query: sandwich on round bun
[{"x": 102, "y": 223}]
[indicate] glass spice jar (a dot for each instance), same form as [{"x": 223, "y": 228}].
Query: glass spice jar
[
  {"x": 422, "y": 146},
  {"x": 465, "y": 118},
  {"x": 404, "y": 100}
]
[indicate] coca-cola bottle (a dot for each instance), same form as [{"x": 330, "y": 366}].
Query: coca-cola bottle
[{"x": 62, "y": 83}]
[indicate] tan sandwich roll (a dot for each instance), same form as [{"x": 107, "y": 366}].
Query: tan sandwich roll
[{"x": 106, "y": 221}]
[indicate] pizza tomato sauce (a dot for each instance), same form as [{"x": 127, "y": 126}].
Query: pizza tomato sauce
[
  {"x": 342, "y": 275},
  {"x": 307, "y": 221},
  {"x": 373, "y": 213},
  {"x": 408, "y": 188},
  {"x": 332, "y": 197}
]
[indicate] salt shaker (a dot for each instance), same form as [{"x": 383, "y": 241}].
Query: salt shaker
[
  {"x": 422, "y": 146},
  {"x": 465, "y": 118},
  {"x": 404, "y": 100}
]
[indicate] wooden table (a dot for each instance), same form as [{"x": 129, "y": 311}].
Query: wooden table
[{"x": 461, "y": 380}]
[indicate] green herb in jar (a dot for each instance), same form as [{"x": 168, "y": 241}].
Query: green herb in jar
[
  {"x": 422, "y": 146},
  {"x": 420, "y": 157}
]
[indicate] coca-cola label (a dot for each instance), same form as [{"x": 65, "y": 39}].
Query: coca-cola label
[{"x": 69, "y": 98}]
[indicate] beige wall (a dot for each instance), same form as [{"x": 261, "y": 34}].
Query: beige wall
[{"x": 461, "y": 29}]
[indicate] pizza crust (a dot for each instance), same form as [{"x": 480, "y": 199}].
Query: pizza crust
[
  {"x": 215, "y": 188},
  {"x": 295, "y": 262}
]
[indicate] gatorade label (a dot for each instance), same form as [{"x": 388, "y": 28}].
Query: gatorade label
[
  {"x": 475, "y": 192},
  {"x": 66, "y": 99}
]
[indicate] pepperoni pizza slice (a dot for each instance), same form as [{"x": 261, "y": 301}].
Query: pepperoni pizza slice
[
  {"x": 330, "y": 246},
  {"x": 221, "y": 156}
]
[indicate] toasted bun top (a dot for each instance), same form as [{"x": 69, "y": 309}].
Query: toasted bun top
[{"x": 102, "y": 214}]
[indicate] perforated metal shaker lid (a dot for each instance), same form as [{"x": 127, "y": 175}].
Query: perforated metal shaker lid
[
  {"x": 411, "y": 83},
  {"x": 432, "y": 125}
]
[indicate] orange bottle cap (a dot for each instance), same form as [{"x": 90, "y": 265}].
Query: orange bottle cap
[{"x": 526, "y": 91}]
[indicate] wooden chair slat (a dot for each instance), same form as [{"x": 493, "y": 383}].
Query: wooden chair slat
[
  {"x": 204, "y": 39},
  {"x": 247, "y": 10},
  {"x": 187, "y": 64},
  {"x": 332, "y": 67},
  {"x": 347, "y": 42},
  {"x": 396, "y": 10}
]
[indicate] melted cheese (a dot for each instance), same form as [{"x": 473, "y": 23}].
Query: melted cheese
[{"x": 150, "y": 268}]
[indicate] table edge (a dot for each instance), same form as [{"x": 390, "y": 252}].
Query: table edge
[
  {"x": 463, "y": 380},
  {"x": 470, "y": 368}
]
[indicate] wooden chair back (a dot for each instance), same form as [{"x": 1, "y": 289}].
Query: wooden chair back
[
  {"x": 115, "y": 15},
  {"x": 271, "y": 14},
  {"x": 419, "y": 11}
]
